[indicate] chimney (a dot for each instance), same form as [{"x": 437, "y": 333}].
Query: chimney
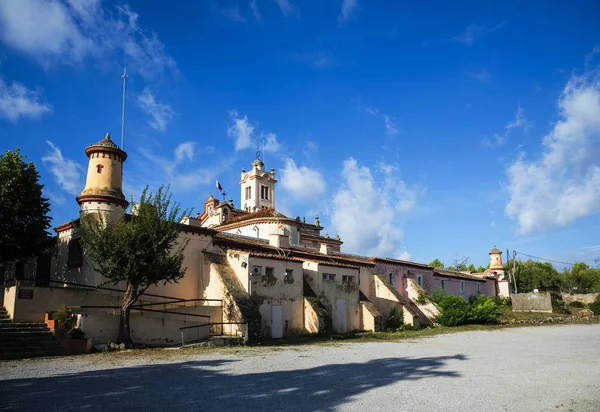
[
  {"x": 325, "y": 249},
  {"x": 279, "y": 240}
]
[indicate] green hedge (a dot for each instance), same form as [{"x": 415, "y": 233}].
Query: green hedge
[{"x": 455, "y": 311}]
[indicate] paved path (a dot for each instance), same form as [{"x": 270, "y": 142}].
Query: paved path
[{"x": 554, "y": 368}]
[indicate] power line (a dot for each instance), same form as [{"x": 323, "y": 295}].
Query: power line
[{"x": 547, "y": 260}]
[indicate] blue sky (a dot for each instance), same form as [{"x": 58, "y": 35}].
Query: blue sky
[{"x": 414, "y": 131}]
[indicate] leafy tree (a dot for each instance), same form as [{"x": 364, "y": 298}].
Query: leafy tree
[
  {"x": 532, "y": 274},
  {"x": 436, "y": 263},
  {"x": 480, "y": 269},
  {"x": 582, "y": 277},
  {"x": 141, "y": 250},
  {"x": 23, "y": 210},
  {"x": 471, "y": 268}
]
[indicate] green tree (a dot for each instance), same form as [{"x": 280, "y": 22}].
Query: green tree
[
  {"x": 141, "y": 250},
  {"x": 471, "y": 268},
  {"x": 583, "y": 277},
  {"x": 532, "y": 274},
  {"x": 23, "y": 210},
  {"x": 480, "y": 269},
  {"x": 436, "y": 263}
]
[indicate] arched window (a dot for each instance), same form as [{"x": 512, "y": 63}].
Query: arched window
[{"x": 99, "y": 168}]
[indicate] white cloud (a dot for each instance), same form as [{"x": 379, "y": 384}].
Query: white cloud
[
  {"x": 287, "y": 8},
  {"x": 17, "y": 101},
  {"x": 233, "y": 13},
  {"x": 301, "y": 183},
  {"x": 255, "y": 11},
  {"x": 160, "y": 114},
  {"x": 482, "y": 76},
  {"x": 520, "y": 122},
  {"x": 67, "y": 172},
  {"x": 271, "y": 143},
  {"x": 174, "y": 171},
  {"x": 469, "y": 35},
  {"x": 348, "y": 7},
  {"x": 367, "y": 212},
  {"x": 241, "y": 130},
  {"x": 184, "y": 151},
  {"x": 390, "y": 127},
  {"x": 563, "y": 183},
  {"x": 67, "y": 32}
]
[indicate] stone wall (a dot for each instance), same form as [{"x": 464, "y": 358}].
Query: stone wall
[
  {"x": 586, "y": 298},
  {"x": 534, "y": 302}
]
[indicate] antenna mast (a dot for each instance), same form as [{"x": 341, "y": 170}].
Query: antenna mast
[{"x": 124, "y": 76}]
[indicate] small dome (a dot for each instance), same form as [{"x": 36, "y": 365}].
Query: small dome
[
  {"x": 495, "y": 251},
  {"x": 106, "y": 142}
]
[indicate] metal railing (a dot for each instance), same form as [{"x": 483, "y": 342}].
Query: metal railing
[{"x": 244, "y": 332}]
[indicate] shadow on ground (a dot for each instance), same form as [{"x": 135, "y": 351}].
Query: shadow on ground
[{"x": 215, "y": 385}]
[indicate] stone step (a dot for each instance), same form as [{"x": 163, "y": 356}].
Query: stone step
[
  {"x": 22, "y": 325},
  {"x": 29, "y": 348},
  {"x": 32, "y": 354},
  {"x": 24, "y": 334},
  {"x": 26, "y": 337},
  {"x": 23, "y": 329},
  {"x": 21, "y": 344}
]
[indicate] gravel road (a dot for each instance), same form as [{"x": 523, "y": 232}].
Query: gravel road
[{"x": 547, "y": 368}]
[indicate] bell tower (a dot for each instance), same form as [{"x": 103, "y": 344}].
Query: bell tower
[
  {"x": 103, "y": 186},
  {"x": 496, "y": 261},
  {"x": 257, "y": 187}
]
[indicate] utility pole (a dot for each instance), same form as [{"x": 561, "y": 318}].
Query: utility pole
[{"x": 515, "y": 269}]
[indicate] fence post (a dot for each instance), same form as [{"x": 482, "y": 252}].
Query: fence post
[{"x": 182, "y": 342}]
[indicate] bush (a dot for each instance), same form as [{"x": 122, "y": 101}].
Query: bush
[
  {"x": 75, "y": 334},
  {"x": 576, "y": 304},
  {"x": 595, "y": 306},
  {"x": 503, "y": 301},
  {"x": 482, "y": 310},
  {"x": 63, "y": 317},
  {"x": 438, "y": 294},
  {"x": 558, "y": 304},
  {"x": 395, "y": 320},
  {"x": 455, "y": 311}
]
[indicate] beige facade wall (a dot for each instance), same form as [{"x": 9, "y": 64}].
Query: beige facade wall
[
  {"x": 268, "y": 291},
  {"x": 331, "y": 292},
  {"x": 145, "y": 329},
  {"x": 263, "y": 230},
  {"x": 371, "y": 317},
  {"x": 311, "y": 318}
]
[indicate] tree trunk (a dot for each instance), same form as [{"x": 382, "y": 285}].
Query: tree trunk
[{"x": 129, "y": 299}]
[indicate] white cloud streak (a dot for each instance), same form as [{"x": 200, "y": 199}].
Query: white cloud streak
[
  {"x": 67, "y": 173},
  {"x": 241, "y": 130},
  {"x": 348, "y": 8},
  {"x": 255, "y": 10},
  {"x": 233, "y": 13},
  {"x": 520, "y": 122},
  {"x": 302, "y": 184},
  {"x": 563, "y": 183},
  {"x": 17, "y": 101},
  {"x": 390, "y": 127},
  {"x": 67, "y": 32},
  {"x": 160, "y": 114},
  {"x": 367, "y": 211},
  {"x": 287, "y": 8}
]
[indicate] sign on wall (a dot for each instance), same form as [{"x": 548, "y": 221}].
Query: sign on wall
[{"x": 25, "y": 294}]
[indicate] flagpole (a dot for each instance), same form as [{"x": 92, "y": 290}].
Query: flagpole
[{"x": 124, "y": 76}]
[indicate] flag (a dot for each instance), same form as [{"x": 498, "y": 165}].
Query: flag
[{"x": 218, "y": 185}]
